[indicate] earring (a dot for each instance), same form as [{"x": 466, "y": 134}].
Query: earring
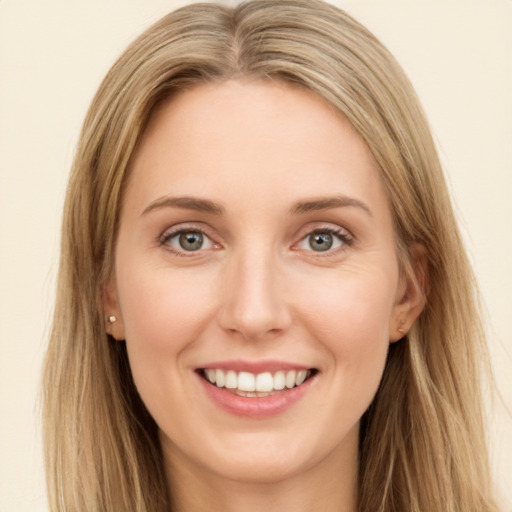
[{"x": 112, "y": 319}]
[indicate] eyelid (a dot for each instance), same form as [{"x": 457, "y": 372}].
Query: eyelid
[
  {"x": 179, "y": 229},
  {"x": 342, "y": 234}
]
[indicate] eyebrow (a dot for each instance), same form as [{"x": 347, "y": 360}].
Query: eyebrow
[
  {"x": 301, "y": 207},
  {"x": 327, "y": 203},
  {"x": 187, "y": 203}
]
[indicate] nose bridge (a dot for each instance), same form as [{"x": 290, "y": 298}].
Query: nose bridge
[{"x": 254, "y": 302}]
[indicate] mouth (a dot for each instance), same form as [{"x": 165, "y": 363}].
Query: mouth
[{"x": 256, "y": 385}]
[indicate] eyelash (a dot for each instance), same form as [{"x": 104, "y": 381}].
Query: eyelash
[
  {"x": 342, "y": 235},
  {"x": 167, "y": 236}
]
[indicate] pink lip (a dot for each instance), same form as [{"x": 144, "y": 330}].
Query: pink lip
[
  {"x": 255, "y": 366},
  {"x": 255, "y": 407}
]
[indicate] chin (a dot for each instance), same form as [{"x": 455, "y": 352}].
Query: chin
[
  {"x": 273, "y": 459},
  {"x": 262, "y": 470}
]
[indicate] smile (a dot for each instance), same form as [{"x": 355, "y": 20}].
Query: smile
[
  {"x": 258, "y": 385},
  {"x": 256, "y": 389}
]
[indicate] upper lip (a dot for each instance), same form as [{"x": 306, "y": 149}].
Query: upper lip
[{"x": 254, "y": 366}]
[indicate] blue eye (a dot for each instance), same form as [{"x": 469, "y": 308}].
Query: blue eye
[
  {"x": 324, "y": 240},
  {"x": 187, "y": 240}
]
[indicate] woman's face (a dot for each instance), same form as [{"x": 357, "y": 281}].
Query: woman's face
[{"x": 256, "y": 248}]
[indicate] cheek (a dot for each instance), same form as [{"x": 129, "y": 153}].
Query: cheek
[
  {"x": 162, "y": 309},
  {"x": 350, "y": 318},
  {"x": 353, "y": 308},
  {"x": 164, "y": 314}
]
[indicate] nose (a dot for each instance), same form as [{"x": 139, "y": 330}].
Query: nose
[{"x": 254, "y": 304}]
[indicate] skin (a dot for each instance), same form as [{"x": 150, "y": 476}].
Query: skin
[{"x": 257, "y": 290}]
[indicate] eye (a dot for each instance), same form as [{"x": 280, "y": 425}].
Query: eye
[
  {"x": 323, "y": 240},
  {"x": 187, "y": 240}
]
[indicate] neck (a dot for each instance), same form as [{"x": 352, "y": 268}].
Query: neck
[{"x": 330, "y": 485}]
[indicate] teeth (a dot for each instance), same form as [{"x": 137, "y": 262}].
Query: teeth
[
  {"x": 262, "y": 384},
  {"x": 301, "y": 377},
  {"x": 246, "y": 381},
  {"x": 290, "y": 379},
  {"x": 220, "y": 377},
  {"x": 231, "y": 381},
  {"x": 279, "y": 380},
  {"x": 210, "y": 375}
]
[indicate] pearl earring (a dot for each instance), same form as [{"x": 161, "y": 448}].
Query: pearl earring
[{"x": 112, "y": 319}]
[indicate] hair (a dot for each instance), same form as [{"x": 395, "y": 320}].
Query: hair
[{"x": 422, "y": 442}]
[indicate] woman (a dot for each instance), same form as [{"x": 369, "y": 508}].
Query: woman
[{"x": 263, "y": 297}]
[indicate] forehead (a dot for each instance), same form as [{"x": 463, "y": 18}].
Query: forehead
[{"x": 251, "y": 138}]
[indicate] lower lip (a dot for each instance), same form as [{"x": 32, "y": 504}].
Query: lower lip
[{"x": 255, "y": 407}]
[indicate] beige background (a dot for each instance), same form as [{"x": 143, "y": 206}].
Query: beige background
[{"x": 53, "y": 54}]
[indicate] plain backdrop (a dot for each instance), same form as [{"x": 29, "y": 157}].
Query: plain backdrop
[{"x": 53, "y": 54}]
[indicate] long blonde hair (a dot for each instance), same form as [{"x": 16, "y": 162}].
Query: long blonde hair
[{"x": 422, "y": 444}]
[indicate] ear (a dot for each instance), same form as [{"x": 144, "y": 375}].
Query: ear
[
  {"x": 111, "y": 311},
  {"x": 412, "y": 292}
]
